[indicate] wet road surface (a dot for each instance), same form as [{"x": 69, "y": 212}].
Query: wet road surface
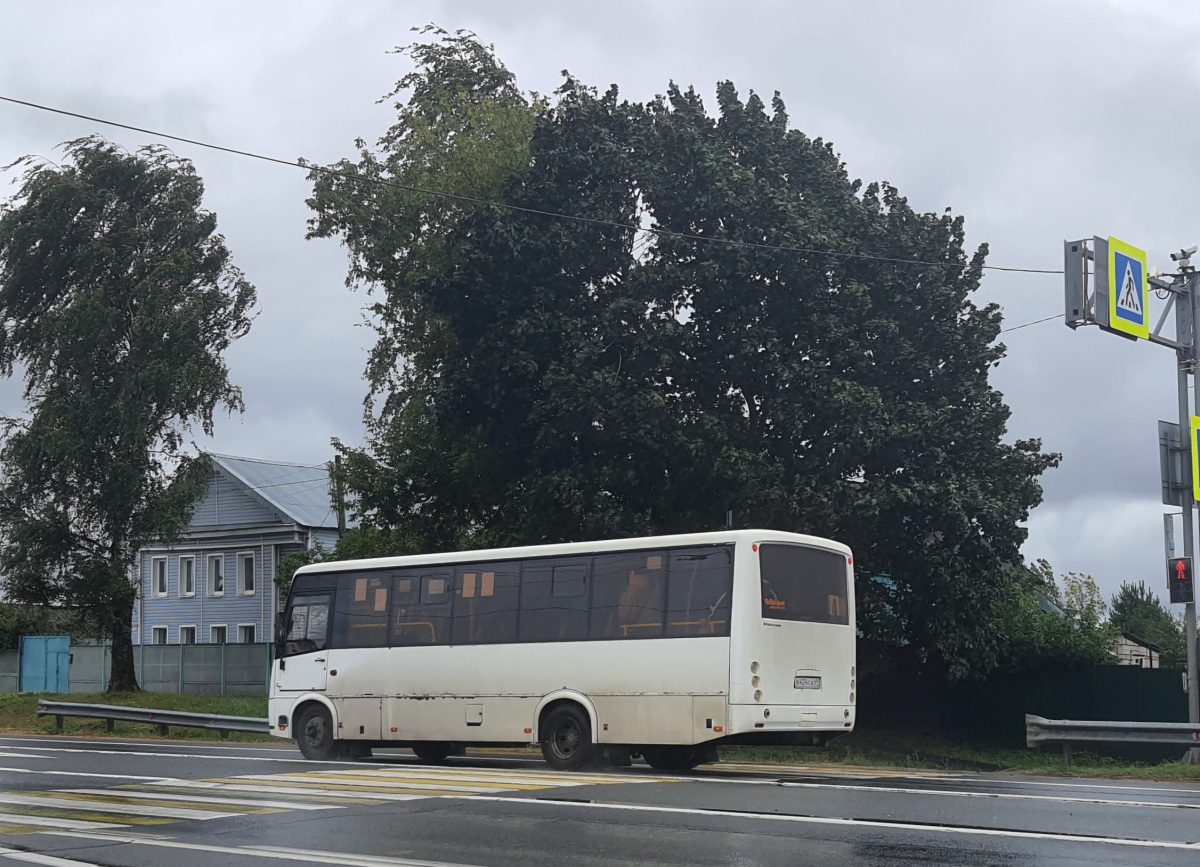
[{"x": 66, "y": 801}]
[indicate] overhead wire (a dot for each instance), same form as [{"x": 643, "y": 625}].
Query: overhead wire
[{"x": 664, "y": 233}]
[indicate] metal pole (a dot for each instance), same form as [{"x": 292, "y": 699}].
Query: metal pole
[{"x": 1187, "y": 365}]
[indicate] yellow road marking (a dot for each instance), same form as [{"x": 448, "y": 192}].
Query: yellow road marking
[{"x": 81, "y": 815}]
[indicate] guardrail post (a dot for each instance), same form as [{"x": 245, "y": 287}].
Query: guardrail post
[
  {"x": 58, "y": 723},
  {"x": 110, "y": 724},
  {"x": 1067, "y": 754}
]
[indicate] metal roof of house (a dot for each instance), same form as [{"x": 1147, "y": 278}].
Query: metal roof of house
[{"x": 299, "y": 491}]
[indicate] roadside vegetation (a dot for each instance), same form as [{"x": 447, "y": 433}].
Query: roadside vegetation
[{"x": 18, "y": 713}]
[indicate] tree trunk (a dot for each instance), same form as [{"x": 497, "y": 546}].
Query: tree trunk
[{"x": 123, "y": 677}]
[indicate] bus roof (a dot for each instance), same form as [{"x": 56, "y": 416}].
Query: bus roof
[{"x": 600, "y": 546}]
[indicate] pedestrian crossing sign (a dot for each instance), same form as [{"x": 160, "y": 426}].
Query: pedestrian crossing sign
[{"x": 1128, "y": 290}]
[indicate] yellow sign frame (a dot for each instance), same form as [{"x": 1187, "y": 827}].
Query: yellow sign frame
[
  {"x": 1195, "y": 452},
  {"x": 1115, "y": 322}
]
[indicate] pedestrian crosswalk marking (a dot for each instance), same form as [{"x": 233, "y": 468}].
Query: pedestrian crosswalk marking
[
  {"x": 162, "y": 800},
  {"x": 151, "y": 796}
]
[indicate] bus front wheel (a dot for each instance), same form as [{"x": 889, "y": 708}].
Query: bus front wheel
[
  {"x": 567, "y": 738},
  {"x": 314, "y": 734}
]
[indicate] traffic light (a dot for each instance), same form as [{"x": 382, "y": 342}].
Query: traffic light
[{"x": 1179, "y": 579}]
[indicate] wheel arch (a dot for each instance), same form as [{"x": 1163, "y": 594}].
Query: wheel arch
[
  {"x": 565, "y": 696},
  {"x": 306, "y": 700}
]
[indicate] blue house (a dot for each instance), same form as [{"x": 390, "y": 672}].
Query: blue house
[{"x": 215, "y": 584}]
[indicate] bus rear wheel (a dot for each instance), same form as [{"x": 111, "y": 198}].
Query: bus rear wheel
[
  {"x": 672, "y": 759},
  {"x": 433, "y": 752},
  {"x": 314, "y": 735},
  {"x": 567, "y": 738}
]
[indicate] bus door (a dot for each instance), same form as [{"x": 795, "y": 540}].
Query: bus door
[{"x": 303, "y": 657}]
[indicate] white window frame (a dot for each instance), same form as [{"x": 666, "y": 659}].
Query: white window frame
[
  {"x": 242, "y": 557},
  {"x": 166, "y": 576},
  {"x": 194, "y": 633},
  {"x": 242, "y": 626},
  {"x": 166, "y": 631},
  {"x": 222, "y": 627},
  {"x": 183, "y": 594},
  {"x": 209, "y": 575}
]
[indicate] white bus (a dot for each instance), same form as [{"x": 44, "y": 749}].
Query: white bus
[{"x": 664, "y": 647}]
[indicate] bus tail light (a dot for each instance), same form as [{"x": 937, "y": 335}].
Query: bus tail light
[
  {"x": 758, "y": 695},
  {"x": 394, "y": 729},
  {"x": 528, "y": 731}
]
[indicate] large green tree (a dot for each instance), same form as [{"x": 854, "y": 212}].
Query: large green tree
[
  {"x": 117, "y": 300},
  {"x": 774, "y": 341}
]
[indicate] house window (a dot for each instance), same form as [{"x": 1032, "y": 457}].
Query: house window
[
  {"x": 187, "y": 576},
  {"x": 216, "y": 635},
  {"x": 216, "y": 575},
  {"x": 158, "y": 575},
  {"x": 246, "y": 633},
  {"x": 158, "y": 635},
  {"x": 245, "y": 567},
  {"x": 187, "y": 634}
]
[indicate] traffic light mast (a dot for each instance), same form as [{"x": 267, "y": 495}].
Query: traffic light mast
[{"x": 1117, "y": 300}]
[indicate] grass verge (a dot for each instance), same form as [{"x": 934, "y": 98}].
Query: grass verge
[{"x": 18, "y": 713}]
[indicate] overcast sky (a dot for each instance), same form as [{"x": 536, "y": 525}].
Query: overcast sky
[{"x": 1038, "y": 120}]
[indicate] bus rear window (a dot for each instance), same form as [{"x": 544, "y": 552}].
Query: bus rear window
[{"x": 800, "y": 583}]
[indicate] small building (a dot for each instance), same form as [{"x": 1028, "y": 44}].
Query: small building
[
  {"x": 1131, "y": 650},
  {"x": 215, "y": 584}
]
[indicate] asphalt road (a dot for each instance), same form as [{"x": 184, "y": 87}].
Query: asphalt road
[{"x": 67, "y": 801}]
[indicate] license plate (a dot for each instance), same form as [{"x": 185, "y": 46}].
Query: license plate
[{"x": 808, "y": 682}]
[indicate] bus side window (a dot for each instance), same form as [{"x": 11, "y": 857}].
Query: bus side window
[
  {"x": 554, "y": 600},
  {"x": 421, "y": 612},
  {"x": 360, "y": 614},
  {"x": 485, "y": 603},
  {"x": 699, "y": 590},
  {"x": 628, "y": 594}
]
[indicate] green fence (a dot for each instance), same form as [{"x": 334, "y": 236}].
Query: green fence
[{"x": 994, "y": 711}]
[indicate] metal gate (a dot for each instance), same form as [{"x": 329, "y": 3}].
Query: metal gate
[{"x": 45, "y": 663}]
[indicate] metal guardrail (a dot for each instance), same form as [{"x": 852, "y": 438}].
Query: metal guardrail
[
  {"x": 1040, "y": 731},
  {"x": 164, "y": 719}
]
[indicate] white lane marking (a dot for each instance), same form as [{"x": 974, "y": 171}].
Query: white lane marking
[
  {"x": 855, "y": 823},
  {"x": 947, "y": 793},
  {"x": 315, "y": 856},
  {"x": 90, "y": 806},
  {"x": 199, "y": 799},
  {"x": 81, "y": 774},
  {"x": 233, "y": 758},
  {"x": 4, "y": 755},
  {"x": 1104, "y": 786},
  {"x": 39, "y": 858},
  {"x": 56, "y": 823}
]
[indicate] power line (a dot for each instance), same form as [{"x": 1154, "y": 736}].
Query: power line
[
  {"x": 662, "y": 233},
  {"x": 1027, "y": 324}
]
